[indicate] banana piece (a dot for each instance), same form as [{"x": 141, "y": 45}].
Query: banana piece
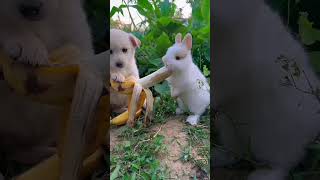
[
  {"x": 123, "y": 118},
  {"x": 46, "y": 84},
  {"x": 139, "y": 93},
  {"x": 125, "y": 87}
]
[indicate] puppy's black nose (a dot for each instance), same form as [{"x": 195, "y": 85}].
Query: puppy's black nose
[
  {"x": 31, "y": 10},
  {"x": 119, "y": 65}
]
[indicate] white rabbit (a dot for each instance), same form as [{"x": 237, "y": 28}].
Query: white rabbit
[
  {"x": 187, "y": 84},
  {"x": 272, "y": 122}
]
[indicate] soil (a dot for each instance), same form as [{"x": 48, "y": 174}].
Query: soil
[{"x": 175, "y": 140}]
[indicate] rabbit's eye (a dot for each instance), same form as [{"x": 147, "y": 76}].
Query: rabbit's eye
[
  {"x": 111, "y": 51},
  {"x": 178, "y": 58},
  {"x": 124, "y": 50}
]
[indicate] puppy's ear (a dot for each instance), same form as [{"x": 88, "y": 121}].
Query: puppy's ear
[
  {"x": 188, "y": 41},
  {"x": 134, "y": 41},
  {"x": 178, "y": 38}
]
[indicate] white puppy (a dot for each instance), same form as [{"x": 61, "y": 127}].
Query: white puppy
[
  {"x": 187, "y": 84},
  {"x": 122, "y": 64},
  {"x": 30, "y": 30}
]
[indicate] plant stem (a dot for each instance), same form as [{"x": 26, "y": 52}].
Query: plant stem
[{"x": 134, "y": 25}]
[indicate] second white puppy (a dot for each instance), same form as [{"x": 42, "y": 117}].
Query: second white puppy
[
  {"x": 187, "y": 84},
  {"x": 122, "y": 64}
]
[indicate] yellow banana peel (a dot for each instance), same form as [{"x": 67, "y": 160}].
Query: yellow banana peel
[
  {"x": 139, "y": 93},
  {"x": 55, "y": 84}
]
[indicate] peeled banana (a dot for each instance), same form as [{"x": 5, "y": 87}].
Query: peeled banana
[
  {"x": 55, "y": 84},
  {"x": 46, "y": 84},
  {"x": 139, "y": 93}
]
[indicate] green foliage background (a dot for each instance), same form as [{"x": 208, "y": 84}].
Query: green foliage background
[
  {"x": 303, "y": 19},
  {"x": 164, "y": 22},
  {"x": 98, "y": 18}
]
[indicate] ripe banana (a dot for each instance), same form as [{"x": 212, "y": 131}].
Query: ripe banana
[
  {"x": 52, "y": 84},
  {"x": 139, "y": 93}
]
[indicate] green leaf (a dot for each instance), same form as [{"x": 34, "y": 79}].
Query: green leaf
[
  {"x": 205, "y": 10},
  {"x": 163, "y": 43},
  {"x": 308, "y": 34},
  {"x": 156, "y": 62},
  {"x": 133, "y": 177},
  {"x": 115, "y": 10},
  {"x": 165, "y": 8},
  {"x": 164, "y": 20},
  {"x": 162, "y": 88},
  {"x": 135, "y": 166},
  {"x": 146, "y": 5},
  {"x": 206, "y": 71},
  {"x": 141, "y": 11},
  {"x": 115, "y": 173},
  {"x": 315, "y": 60}
]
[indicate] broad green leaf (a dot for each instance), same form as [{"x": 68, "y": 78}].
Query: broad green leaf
[
  {"x": 308, "y": 34},
  {"x": 115, "y": 10},
  {"x": 165, "y": 20},
  {"x": 142, "y": 11},
  {"x": 146, "y": 5},
  {"x": 163, "y": 42},
  {"x": 156, "y": 62},
  {"x": 115, "y": 173},
  {"x": 165, "y": 8},
  {"x": 162, "y": 88}
]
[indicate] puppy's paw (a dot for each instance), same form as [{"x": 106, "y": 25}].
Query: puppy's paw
[
  {"x": 27, "y": 50},
  {"x": 193, "y": 119},
  {"x": 118, "y": 78}
]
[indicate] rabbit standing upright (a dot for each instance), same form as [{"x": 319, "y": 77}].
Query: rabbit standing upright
[{"x": 187, "y": 84}]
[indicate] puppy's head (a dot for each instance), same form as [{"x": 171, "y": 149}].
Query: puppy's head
[
  {"x": 24, "y": 11},
  {"x": 122, "y": 49},
  {"x": 178, "y": 56}
]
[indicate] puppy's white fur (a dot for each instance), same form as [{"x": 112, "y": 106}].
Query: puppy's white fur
[
  {"x": 187, "y": 84},
  {"x": 122, "y": 64},
  {"x": 28, "y": 128},
  {"x": 276, "y": 122}
]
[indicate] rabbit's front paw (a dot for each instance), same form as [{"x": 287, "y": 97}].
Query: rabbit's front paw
[{"x": 193, "y": 119}]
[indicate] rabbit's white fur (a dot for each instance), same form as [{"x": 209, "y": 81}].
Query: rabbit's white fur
[
  {"x": 187, "y": 84},
  {"x": 275, "y": 121}
]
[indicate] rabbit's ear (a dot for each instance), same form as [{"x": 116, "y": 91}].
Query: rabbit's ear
[
  {"x": 134, "y": 41},
  {"x": 188, "y": 41},
  {"x": 178, "y": 38}
]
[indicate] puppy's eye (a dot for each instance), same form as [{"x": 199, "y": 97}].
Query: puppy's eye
[
  {"x": 111, "y": 51},
  {"x": 178, "y": 58},
  {"x": 31, "y": 10},
  {"x": 124, "y": 50}
]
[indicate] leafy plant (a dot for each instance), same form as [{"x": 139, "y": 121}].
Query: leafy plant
[{"x": 163, "y": 22}]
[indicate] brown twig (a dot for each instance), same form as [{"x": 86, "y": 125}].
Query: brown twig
[
  {"x": 134, "y": 25},
  {"x": 146, "y": 140}
]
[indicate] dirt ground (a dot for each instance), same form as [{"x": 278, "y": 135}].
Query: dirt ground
[{"x": 175, "y": 140}]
